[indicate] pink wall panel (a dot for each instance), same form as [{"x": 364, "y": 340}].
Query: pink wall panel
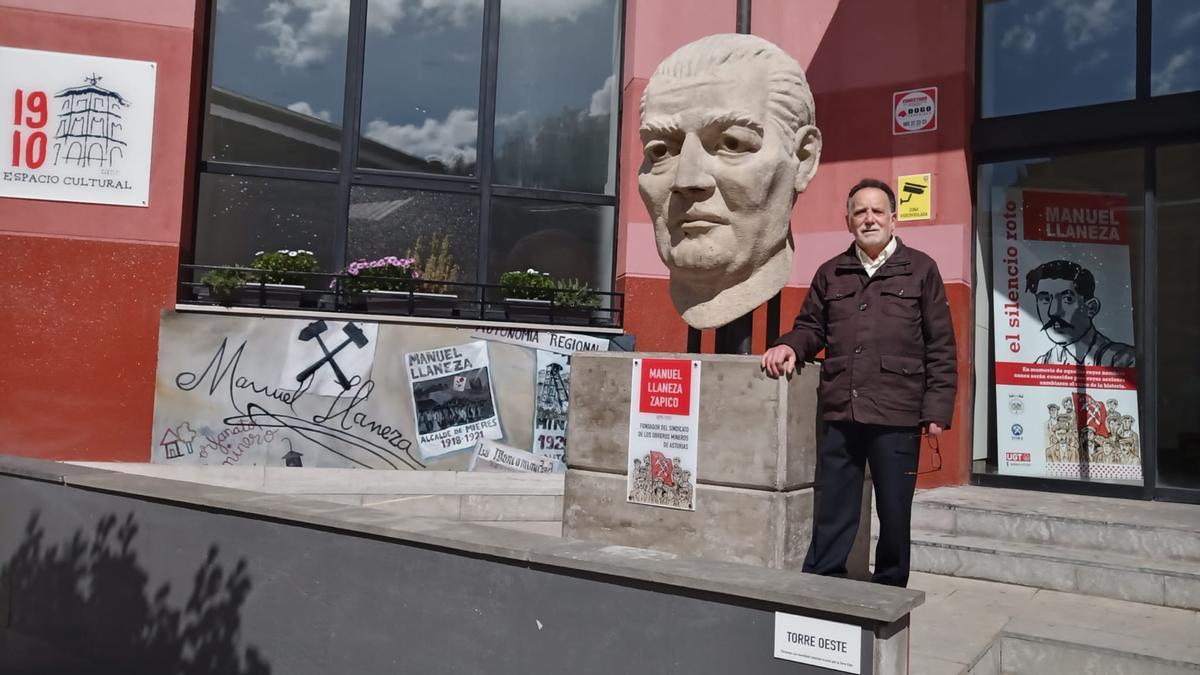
[
  {"x": 856, "y": 54},
  {"x": 867, "y": 43},
  {"x": 655, "y": 28},
  {"x": 176, "y": 13},
  {"x": 171, "y": 48},
  {"x": 636, "y": 253}
]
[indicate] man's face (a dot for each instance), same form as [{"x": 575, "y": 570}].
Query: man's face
[
  {"x": 1065, "y": 315},
  {"x": 719, "y": 176},
  {"x": 870, "y": 219}
]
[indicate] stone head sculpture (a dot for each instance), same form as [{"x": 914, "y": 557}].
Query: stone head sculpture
[{"x": 729, "y": 140}]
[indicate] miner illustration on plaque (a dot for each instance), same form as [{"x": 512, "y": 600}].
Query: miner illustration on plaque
[{"x": 729, "y": 141}]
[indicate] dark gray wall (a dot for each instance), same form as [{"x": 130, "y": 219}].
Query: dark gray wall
[{"x": 127, "y": 585}]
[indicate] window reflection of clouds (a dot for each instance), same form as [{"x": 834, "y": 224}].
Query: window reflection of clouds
[
  {"x": 1083, "y": 22},
  {"x": 421, "y": 85},
  {"x": 450, "y": 142},
  {"x": 556, "y": 94},
  {"x": 1174, "y": 54},
  {"x": 272, "y": 102},
  {"x": 306, "y": 31},
  {"x": 1042, "y": 55}
]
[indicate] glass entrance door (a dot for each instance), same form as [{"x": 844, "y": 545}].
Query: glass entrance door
[{"x": 1178, "y": 326}]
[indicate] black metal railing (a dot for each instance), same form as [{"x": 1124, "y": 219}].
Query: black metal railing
[{"x": 418, "y": 298}]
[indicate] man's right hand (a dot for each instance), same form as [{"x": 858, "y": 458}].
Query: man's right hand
[{"x": 779, "y": 360}]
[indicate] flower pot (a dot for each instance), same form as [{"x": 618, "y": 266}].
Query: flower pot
[
  {"x": 435, "y": 304},
  {"x": 387, "y": 302},
  {"x": 272, "y": 295},
  {"x": 410, "y": 303},
  {"x": 575, "y": 316},
  {"x": 526, "y": 310}
]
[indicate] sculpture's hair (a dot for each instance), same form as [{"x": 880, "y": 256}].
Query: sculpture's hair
[{"x": 788, "y": 98}]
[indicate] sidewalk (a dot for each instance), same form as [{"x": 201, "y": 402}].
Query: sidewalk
[{"x": 959, "y": 629}]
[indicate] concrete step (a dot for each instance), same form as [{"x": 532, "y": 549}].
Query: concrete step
[
  {"x": 972, "y": 627},
  {"x": 1169, "y": 583},
  {"x": 1032, "y": 647},
  {"x": 1061, "y": 633},
  {"x": 1154, "y": 530}
]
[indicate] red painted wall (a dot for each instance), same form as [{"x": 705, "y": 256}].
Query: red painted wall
[
  {"x": 856, "y": 53},
  {"x": 82, "y": 285}
]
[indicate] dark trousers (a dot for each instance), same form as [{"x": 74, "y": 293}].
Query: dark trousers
[{"x": 844, "y": 452}]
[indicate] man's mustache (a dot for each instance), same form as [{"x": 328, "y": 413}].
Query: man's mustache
[{"x": 1056, "y": 322}]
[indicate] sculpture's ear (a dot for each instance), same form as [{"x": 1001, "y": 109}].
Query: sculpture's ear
[{"x": 808, "y": 150}]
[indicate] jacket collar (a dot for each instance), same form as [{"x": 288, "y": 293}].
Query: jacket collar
[{"x": 897, "y": 263}]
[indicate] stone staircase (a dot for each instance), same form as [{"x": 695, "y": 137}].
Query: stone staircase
[
  {"x": 1147, "y": 552},
  {"x": 972, "y": 627},
  {"x": 1024, "y": 583}
]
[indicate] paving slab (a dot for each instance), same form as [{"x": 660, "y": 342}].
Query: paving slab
[
  {"x": 960, "y": 620},
  {"x": 985, "y": 628}
]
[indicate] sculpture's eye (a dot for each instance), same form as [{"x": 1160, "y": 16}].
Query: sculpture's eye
[
  {"x": 657, "y": 151},
  {"x": 739, "y": 140}
]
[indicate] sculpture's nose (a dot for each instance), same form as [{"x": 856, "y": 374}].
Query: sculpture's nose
[{"x": 691, "y": 176}]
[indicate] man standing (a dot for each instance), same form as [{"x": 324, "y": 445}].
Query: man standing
[{"x": 879, "y": 310}]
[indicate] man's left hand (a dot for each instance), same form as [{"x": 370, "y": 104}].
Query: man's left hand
[{"x": 933, "y": 429}]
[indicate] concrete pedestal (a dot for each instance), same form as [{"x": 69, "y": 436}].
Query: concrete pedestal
[{"x": 756, "y": 464}]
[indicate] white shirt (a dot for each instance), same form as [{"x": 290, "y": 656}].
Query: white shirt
[{"x": 872, "y": 265}]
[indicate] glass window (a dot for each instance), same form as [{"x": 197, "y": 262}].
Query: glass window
[
  {"x": 1178, "y": 202},
  {"x": 440, "y": 229},
  {"x": 240, "y": 216},
  {"x": 567, "y": 241},
  {"x": 1044, "y": 55},
  {"x": 1174, "y": 47},
  {"x": 420, "y": 101},
  {"x": 278, "y": 74},
  {"x": 1061, "y": 243},
  {"x": 556, "y": 95},
  {"x": 275, "y": 104}
]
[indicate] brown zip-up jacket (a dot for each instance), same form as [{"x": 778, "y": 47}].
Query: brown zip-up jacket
[{"x": 888, "y": 340}]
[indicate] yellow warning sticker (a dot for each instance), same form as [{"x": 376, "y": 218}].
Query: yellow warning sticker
[{"x": 913, "y": 196}]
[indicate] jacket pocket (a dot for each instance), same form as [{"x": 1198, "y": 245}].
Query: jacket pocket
[
  {"x": 902, "y": 365},
  {"x": 834, "y": 391},
  {"x": 903, "y": 378},
  {"x": 902, "y": 300},
  {"x": 841, "y": 302}
]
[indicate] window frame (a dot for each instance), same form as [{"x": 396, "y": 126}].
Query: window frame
[
  {"x": 348, "y": 175},
  {"x": 1146, "y": 122}
]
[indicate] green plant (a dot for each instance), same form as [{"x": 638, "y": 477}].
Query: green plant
[
  {"x": 574, "y": 293},
  {"x": 285, "y": 266},
  {"x": 528, "y": 285},
  {"x": 384, "y": 274},
  {"x": 224, "y": 283},
  {"x": 435, "y": 264}
]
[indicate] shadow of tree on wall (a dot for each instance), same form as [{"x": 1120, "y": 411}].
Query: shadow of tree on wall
[{"x": 89, "y": 597}]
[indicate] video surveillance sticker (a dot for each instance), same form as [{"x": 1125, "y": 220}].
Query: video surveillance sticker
[{"x": 914, "y": 194}]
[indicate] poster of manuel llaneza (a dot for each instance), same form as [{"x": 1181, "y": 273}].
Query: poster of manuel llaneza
[{"x": 453, "y": 402}]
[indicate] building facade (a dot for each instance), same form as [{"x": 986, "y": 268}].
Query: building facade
[{"x": 1045, "y": 155}]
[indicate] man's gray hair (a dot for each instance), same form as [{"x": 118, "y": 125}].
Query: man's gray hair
[{"x": 789, "y": 99}]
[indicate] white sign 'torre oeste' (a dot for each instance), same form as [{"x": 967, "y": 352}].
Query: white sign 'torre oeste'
[
  {"x": 75, "y": 128},
  {"x": 827, "y": 644}
]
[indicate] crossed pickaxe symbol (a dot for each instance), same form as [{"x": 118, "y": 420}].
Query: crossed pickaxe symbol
[{"x": 354, "y": 335}]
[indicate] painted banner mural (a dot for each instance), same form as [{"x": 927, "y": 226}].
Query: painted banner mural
[
  {"x": 1065, "y": 367},
  {"x": 254, "y": 391}
]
